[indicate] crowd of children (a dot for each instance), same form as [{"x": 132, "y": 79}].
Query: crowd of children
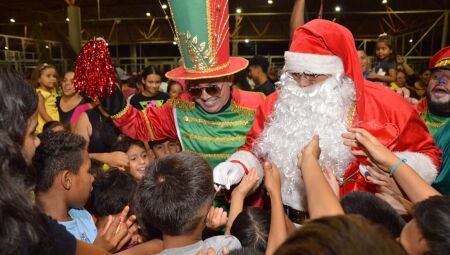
[{"x": 72, "y": 183}]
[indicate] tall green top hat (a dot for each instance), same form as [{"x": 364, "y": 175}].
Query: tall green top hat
[{"x": 201, "y": 28}]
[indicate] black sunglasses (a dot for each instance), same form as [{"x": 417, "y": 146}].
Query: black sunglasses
[{"x": 212, "y": 90}]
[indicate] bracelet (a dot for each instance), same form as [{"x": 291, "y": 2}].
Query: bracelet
[{"x": 395, "y": 167}]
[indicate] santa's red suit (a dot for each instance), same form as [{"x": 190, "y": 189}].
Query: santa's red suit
[{"x": 324, "y": 47}]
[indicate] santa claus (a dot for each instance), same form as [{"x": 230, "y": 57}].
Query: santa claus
[{"x": 323, "y": 92}]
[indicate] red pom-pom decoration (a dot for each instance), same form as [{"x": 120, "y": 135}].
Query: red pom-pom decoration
[{"x": 95, "y": 76}]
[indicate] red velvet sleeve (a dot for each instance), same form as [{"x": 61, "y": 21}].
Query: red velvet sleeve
[
  {"x": 148, "y": 125},
  {"x": 262, "y": 114}
]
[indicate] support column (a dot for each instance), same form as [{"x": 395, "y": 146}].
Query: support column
[
  {"x": 444, "y": 30},
  {"x": 74, "y": 15},
  {"x": 234, "y": 44}
]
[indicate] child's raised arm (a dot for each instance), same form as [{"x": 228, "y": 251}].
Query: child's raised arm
[
  {"x": 278, "y": 229},
  {"x": 409, "y": 181},
  {"x": 238, "y": 195},
  {"x": 321, "y": 199}
]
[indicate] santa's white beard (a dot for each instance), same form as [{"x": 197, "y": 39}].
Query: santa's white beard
[{"x": 299, "y": 114}]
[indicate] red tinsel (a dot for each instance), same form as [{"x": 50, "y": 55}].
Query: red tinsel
[{"x": 95, "y": 76}]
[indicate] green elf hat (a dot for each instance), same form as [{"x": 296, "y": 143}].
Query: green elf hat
[{"x": 202, "y": 31}]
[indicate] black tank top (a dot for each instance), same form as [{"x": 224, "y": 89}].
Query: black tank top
[
  {"x": 64, "y": 117},
  {"x": 104, "y": 133}
]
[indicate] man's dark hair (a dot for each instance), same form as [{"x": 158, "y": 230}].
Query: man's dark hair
[
  {"x": 340, "y": 235},
  {"x": 112, "y": 191},
  {"x": 374, "y": 209},
  {"x": 58, "y": 151},
  {"x": 433, "y": 220},
  {"x": 252, "y": 227},
  {"x": 125, "y": 143},
  {"x": 260, "y": 61},
  {"x": 173, "y": 193}
]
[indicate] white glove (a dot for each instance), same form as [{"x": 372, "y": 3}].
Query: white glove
[{"x": 227, "y": 174}]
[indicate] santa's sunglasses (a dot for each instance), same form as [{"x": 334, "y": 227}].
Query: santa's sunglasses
[{"x": 212, "y": 90}]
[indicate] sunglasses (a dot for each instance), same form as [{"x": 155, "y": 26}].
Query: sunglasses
[
  {"x": 307, "y": 76},
  {"x": 212, "y": 90}
]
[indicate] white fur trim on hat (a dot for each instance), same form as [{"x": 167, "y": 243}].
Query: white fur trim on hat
[
  {"x": 421, "y": 163},
  {"x": 312, "y": 63}
]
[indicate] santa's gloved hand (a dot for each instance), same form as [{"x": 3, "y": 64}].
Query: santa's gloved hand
[
  {"x": 227, "y": 174},
  {"x": 115, "y": 103}
]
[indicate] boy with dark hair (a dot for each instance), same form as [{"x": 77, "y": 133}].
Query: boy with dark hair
[
  {"x": 63, "y": 186},
  {"x": 257, "y": 70},
  {"x": 112, "y": 191},
  {"x": 165, "y": 147},
  {"x": 174, "y": 196},
  {"x": 374, "y": 209},
  {"x": 64, "y": 182}
]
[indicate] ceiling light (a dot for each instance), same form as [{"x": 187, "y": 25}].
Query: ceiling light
[
  {"x": 337, "y": 8},
  {"x": 164, "y": 6},
  {"x": 246, "y": 40},
  {"x": 6, "y": 47},
  {"x": 46, "y": 46},
  {"x": 270, "y": 2},
  {"x": 67, "y": 19},
  {"x": 411, "y": 40},
  {"x": 238, "y": 10},
  {"x": 384, "y": 2},
  {"x": 12, "y": 20},
  {"x": 147, "y": 14}
]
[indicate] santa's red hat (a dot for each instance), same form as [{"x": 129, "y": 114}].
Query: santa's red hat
[{"x": 324, "y": 47}]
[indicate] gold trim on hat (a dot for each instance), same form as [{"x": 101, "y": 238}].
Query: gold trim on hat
[
  {"x": 443, "y": 62},
  {"x": 186, "y": 76},
  {"x": 212, "y": 69}
]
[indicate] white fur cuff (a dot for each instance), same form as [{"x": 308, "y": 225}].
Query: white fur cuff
[
  {"x": 421, "y": 163},
  {"x": 312, "y": 63},
  {"x": 250, "y": 161}
]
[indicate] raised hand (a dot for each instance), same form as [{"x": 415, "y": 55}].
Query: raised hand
[
  {"x": 227, "y": 174},
  {"x": 115, "y": 234},
  {"x": 216, "y": 218},
  {"x": 118, "y": 159},
  {"x": 376, "y": 152},
  {"x": 247, "y": 184},
  {"x": 272, "y": 179},
  {"x": 310, "y": 151}
]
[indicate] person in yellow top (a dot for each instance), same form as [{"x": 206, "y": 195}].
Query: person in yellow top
[{"x": 44, "y": 78}]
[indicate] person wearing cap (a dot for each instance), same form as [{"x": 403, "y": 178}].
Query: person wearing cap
[
  {"x": 438, "y": 102},
  {"x": 212, "y": 118},
  {"x": 435, "y": 108},
  {"x": 323, "y": 92}
]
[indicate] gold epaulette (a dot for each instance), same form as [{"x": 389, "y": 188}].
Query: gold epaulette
[
  {"x": 243, "y": 111},
  {"x": 121, "y": 113},
  {"x": 182, "y": 105}
]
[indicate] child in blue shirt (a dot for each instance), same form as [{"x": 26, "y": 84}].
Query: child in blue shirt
[
  {"x": 64, "y": 182},
  {"x": 63, "y": 186}
]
